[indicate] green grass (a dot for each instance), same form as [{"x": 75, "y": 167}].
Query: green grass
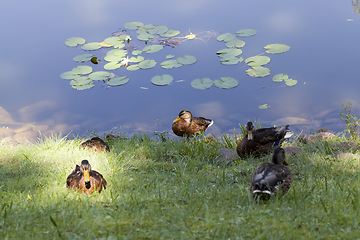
[{"x": 172, "y": 189}]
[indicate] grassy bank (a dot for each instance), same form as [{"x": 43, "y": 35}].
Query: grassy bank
[{"x": 173, "y": 189}]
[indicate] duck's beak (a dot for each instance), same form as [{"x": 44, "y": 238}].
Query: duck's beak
[
  {"x": 250, "y": 135},
  {"x": 177, "y": 119},
  {"x": 87, "y": 179}
]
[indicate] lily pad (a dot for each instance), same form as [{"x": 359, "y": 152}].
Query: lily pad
[
  {"x": 190, "y": 36},
  {"x": 84, "y": 87},
  {"x": 79, "y": 81},
  {"x": 163, "y": 80},
  {"x": 258, "y": 72},
  {"x": 170, "y": 33},
  {"x": 117, "y": 81},
  {"x": 226, "y": 82},
  {"x": 264, "y": 106},
  {"x": 276, "y": 48},
  {"x": 133, "y": 25},
  {"x": 169, "y": 56},
  {"x": 159, "y": 29},
  {"x": 226, "y": 37},
  {"x": 235, "y": 43},
  {"x": 257, "y": 61},
  {"x": 246, "y": 32},
  {"x": 290, "y": 82},
  {"x": 91, "y": 46},
  {"x": 83, "y": 57},
  {"x": 69, "y": 75},
  {"x": 133, "y": 67},
  {"x": 74, "y": 41},
  {"x": 137, "y": 59},
  {"x": 231, "y": 60},
  {"x": 152, "y": 48},
  {"x": 186, "y": 60},
  {"x": 136, "y": 52},
  {"x": 112, "y": 65},
  {"x": 100, "y": 75},
  {"x": 146, "y": 64},
  {"x": 145, "y": 37},
  {"x": 201, "y": 84},
  {"x": 169, "y": 64},
  {"x": 232, "y": 51},
  {"x": 117, "y": 42},
  {"x": 82, "y": 69},
  {"x": 280, "y": 77}
]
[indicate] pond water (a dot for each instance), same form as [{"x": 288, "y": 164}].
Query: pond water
[{"x": 323, "y": 58}]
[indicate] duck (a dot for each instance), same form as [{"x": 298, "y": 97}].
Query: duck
[
  {"x": 96, "y": 144},
  {"x": 267, "y": 177},
  {"x": 187, "y": 125},
  {"x": 262, "y": 140},
  {"x": 84, "y": 179}
]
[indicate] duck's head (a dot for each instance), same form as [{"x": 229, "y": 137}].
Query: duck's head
[
  {"x": 249, "y": 130},
  {"x": 278, "y": 156},
  {"x": 185, "y": 115},
  {"x": 85, "y": 169}
]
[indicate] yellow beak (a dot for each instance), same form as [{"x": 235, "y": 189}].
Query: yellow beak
[
  {"x": 177, "y": 119},
  {"x": 86, "y": 176}
]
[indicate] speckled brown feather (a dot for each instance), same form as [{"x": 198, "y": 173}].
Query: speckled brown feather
[
  {"x": 196, "y": 124},
  {"x": 96, "y": 144}
]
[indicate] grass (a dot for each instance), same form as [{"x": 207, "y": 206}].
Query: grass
[{"x": 173, "y": 189}]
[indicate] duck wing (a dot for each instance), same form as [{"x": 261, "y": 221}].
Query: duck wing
[
  {"x": 99, "y": 180},
  {"x": 74, "y": 178},
  {"x": 273, "y": 134}
]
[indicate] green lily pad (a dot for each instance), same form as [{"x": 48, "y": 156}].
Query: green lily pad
[
  {"x": 141, "y": 30},
  {"x": 201, "y": 84},
  {"x": 115, "y": 55},
  {"x": 133, "y": 25},
  {"x": 257, "y": 61},
  {"x": 83, "y": 57},
  {"x": 69, "y": 75},
  {"x": 163, "y": 80},
  {"x": 100, "y": 75},
  {"x": 258, "y": 72},
  {"x": 226, "y": 37},
  {"x": 159, "y": 29},
  {"x": 190, "y": 36},
  {"x": 264, "y": 106},
  {"x": 226, "y": 82},
  {"x": 235, "y": 43},
  {"x": 276, "y": 48},
  {"x": 169, "y": 56},
  {"x": 246, "y": 32},
  {"x": 82, "y": 69},
  {"x": 91, "y": 46},
  {"x": 112, "y": 65},
  {"x": 169, "y": 64},
  {"x": 170, "y": 33},
  {"x": 117, "y": 42},
  {"x": 74, "y": 41},
  {"x": 231, "y": 60},
  {"x": 146, "y": 64},
  {"x": 117, "y": 81},
  {"x": 232, "y": 51},
  {"x": 145, "y": 37},
  {"x": 133, "y": 67},
  {"x": 137, "y": 59},
  {"x": 125, "y": 37},
  {"x": 280, "y": 77},
  {"x": 136, "y": 52},
  {"x": 290, "y": 82},
  {"x": 79, "y": 81},
  {"x": 152, "y": 48},
  {"x": 186, "y": 60},
  {"x": 84, "y": 87}
]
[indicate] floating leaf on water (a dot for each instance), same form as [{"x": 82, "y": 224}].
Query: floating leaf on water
[
  {"x": 74, "y": 41},
  {"x": 94, "y": 60},
  {"x": 186, "y": 60},
  {"x": 83, "y": 57},
  {"x": 232, "y": 51},
  {"x": 226, "y": 82},
  {"x": 133, "y": 25},
  {"x": 170, "y": 33},
  {"x": 264, "y": 106},
  {"x": 125, "y": 37},
  {"x": 280, "y": 77},
  {"x": 141, "y": 30},
  {"x": 117, "y": 42},
  {"x": 257, "y": 60},
  {"x": 82, "y": 69},
  {"x": 290, "y": 82},
  {"x": 145, "y": 37},
  {"x": 69, "y": 75},
  {"x": 112, "y": 65},
  {"x": 190, "y": 36},
  {"x": 83, "y": 87},
  {"x": 246, "y": 32},
  {"x": 146, "y": 64},
  {"x": 226, "y": 37},
  {"x": 152, "y": 48},
  {"x": 103, "y": 44},
  {"x": 163, "y": 80},
  {"x": 136, "y": 52},
  {"x": 235, "y": 43},
  {"x": 228, "y": 60},
  {"x": 83, "y": 80},
  {"x": 133, "y": 67},
  {"x": 201, "y": 84},
  {"x": 100, "y": 75},
  {"x": 145, "y": 88},
  {"x": 276, "y": 48},
  {"x": 117, "y": 81},
  {"x": 115, "y": 55},
  {"x": 160, "y": 29},
  {"x": 258, "y": 72},
  {"x": 91, "y": 46},
  {"x": 137, "y": 59},
  {"x": 169, "y": 56},
  {"x": 168, "y": 64}
]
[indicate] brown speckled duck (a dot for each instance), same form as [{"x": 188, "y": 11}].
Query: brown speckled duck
[
  {"x": 267, "y": 177},
  {"x": 85, "y": 180},
  {"x": 96, "y": 144},
  {"x": 187, "y": 125},
  {"x": 262, "y": 140}
]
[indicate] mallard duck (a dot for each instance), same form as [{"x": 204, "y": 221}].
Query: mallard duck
[
  {"x": 86, "y": 180},
  {"x": 187, "y": 125},
  {"x": 96, "y": 144},
  {"x": 267, "y": 177},
  {"x": 261, "y": 140}
]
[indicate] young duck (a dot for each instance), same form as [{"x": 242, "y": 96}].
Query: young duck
[
  {"x": 262, "y": 140},
  {"x": 268, "y": 176},
  {"x": 85, "y": 180},
  {"x": 187, "y": 125},
  {"x": 96, "y": 144}
]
